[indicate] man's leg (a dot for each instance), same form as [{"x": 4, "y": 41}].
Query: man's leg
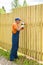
[
  {"x": 15, "y": 41},
  {"x": 12, "y": 54},
  {"x": 16, "y": 55}
]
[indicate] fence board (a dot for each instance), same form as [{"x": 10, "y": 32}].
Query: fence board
[{"x": 31, "y": 38}]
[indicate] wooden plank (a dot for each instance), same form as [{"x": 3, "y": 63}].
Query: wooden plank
[{"x": 31, "y": 38}]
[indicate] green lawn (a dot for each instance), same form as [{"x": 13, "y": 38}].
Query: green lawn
[{"x": 21, "y": 61}]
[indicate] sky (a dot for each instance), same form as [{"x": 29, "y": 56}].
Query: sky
[{"x": 7, "y": 3}]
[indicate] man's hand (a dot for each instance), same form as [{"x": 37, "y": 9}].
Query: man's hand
[{"x": 22, "y": 26}]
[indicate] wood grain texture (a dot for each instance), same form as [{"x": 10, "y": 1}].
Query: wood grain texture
[{"x": 31, "y": 38}]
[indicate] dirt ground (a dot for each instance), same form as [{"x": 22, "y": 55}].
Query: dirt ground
[{"x": 3, "y": 61}]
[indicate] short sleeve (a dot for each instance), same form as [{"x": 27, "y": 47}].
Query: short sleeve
[{"x": 14, "y": 26}]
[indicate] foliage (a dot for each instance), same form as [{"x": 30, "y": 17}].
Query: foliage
[
  {"x": 15, "y": 4},
  {"x": 2, "y": 10},
  {"x": 20, "y": 61},
  {"x": 25, "y": 3}
]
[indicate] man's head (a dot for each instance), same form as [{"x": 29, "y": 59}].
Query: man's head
[{"x": 17, "y": 20}]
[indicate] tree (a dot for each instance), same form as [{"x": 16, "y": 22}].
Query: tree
[
  {"x": 2, "y": 10},
  {"x": 25, "y": 3},
  {"x": 15, "y": 4}
]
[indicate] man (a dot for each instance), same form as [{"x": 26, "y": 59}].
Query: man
[{"x": 15, "y": 38}]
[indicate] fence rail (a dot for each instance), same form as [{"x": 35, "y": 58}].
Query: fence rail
[{"x": 31, "y": 38}]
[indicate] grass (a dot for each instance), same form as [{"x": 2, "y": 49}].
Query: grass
[
  {"x": 4, "y": 54},
  {"x": 21, "y": 61}
]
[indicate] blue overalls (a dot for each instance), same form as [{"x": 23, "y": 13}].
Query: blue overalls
[{"x": 15, "y": 45}]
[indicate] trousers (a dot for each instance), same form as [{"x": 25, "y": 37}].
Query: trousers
[{"x": 15, "y": 45}]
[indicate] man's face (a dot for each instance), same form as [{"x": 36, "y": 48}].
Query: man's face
[{"x": 18, "y": 22}]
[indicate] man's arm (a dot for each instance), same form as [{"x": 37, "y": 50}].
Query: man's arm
[{"x": 18, "y": 28}]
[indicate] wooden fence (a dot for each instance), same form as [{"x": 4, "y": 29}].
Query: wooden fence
[{"x": 31, "y": 38}]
